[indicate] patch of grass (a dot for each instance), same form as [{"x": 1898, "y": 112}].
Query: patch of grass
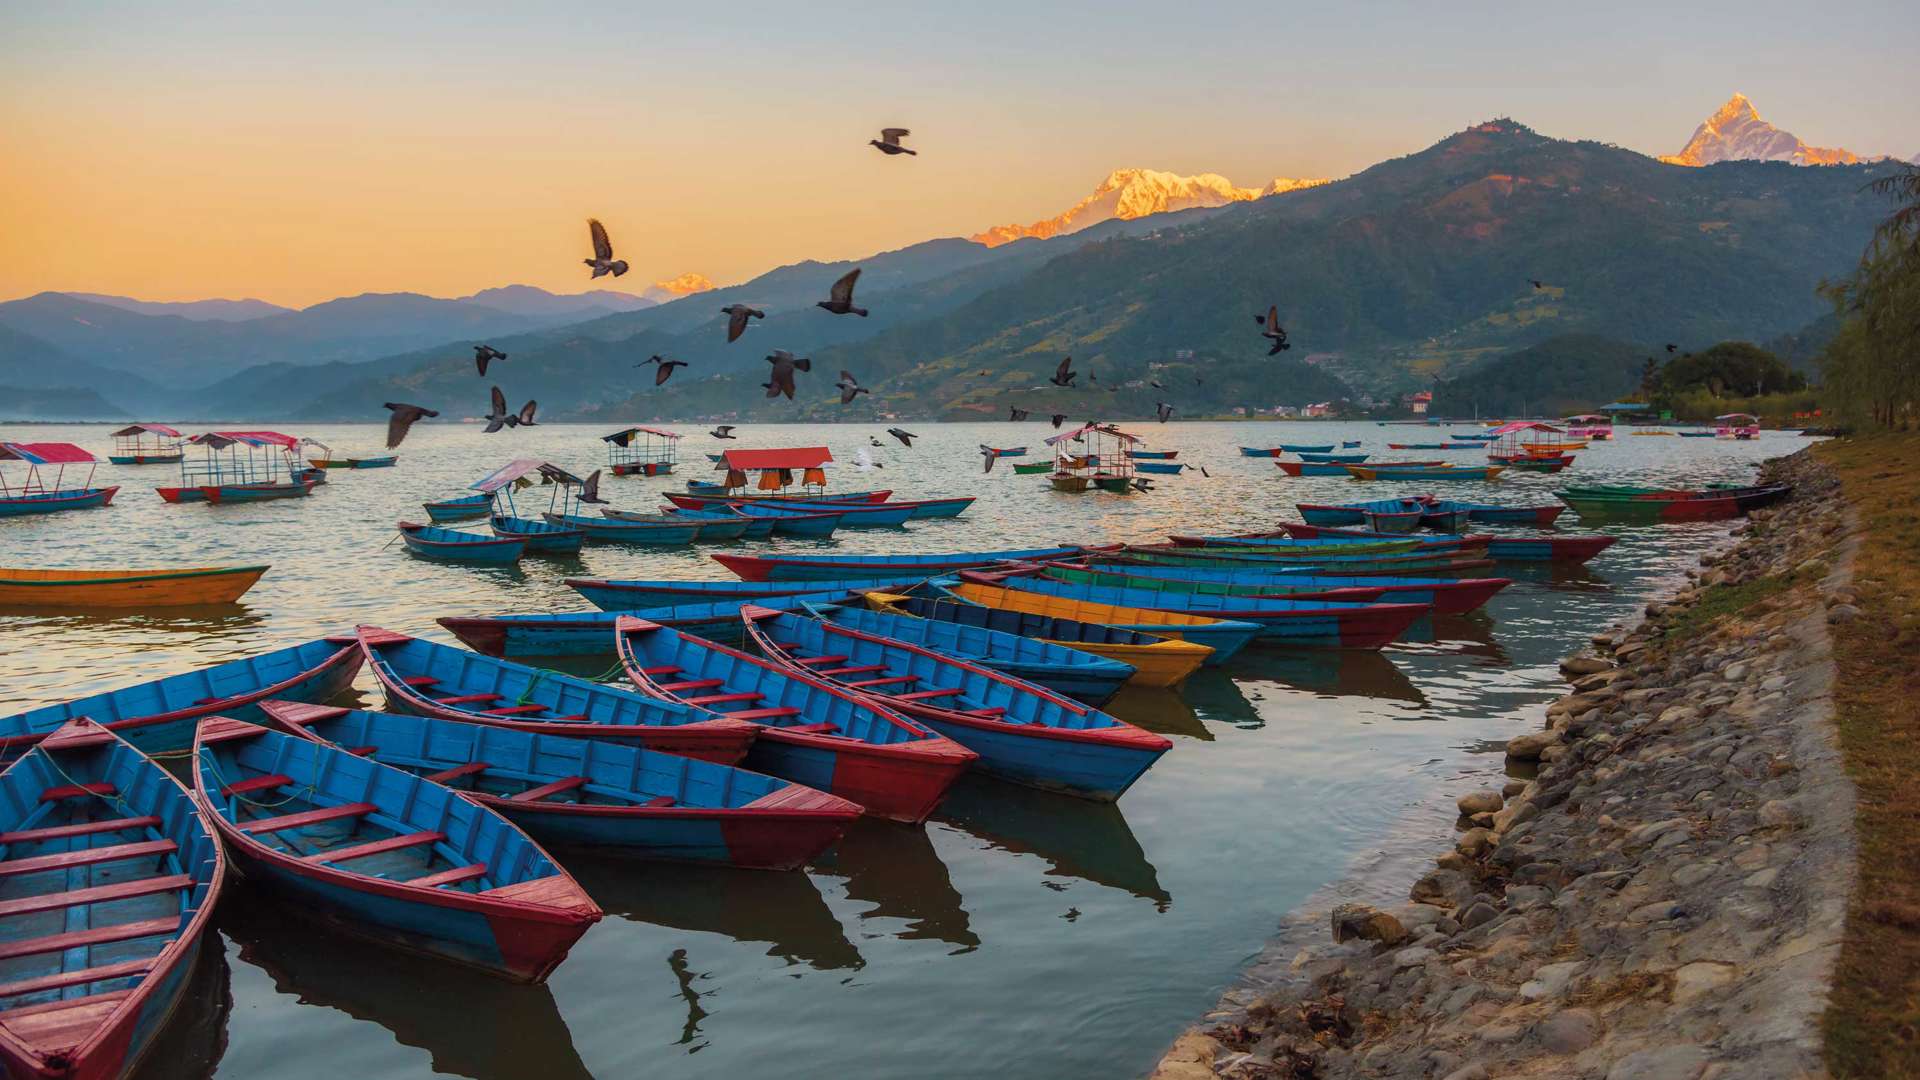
[
  {"x": 1873, "y": 1021},
  {"x": 1727, "y": 601}
]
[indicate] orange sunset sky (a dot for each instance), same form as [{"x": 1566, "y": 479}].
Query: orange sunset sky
[{"x": 301, "y": 152}]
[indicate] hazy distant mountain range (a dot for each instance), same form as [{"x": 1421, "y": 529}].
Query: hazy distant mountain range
[{"x": 1412, "y": 270}]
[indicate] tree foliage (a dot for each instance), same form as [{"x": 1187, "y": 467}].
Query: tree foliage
[
  {"x": 1871, "y": 369},
  {"x": 1729, "y": 369}
]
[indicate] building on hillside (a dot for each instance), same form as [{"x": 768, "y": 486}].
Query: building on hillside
[
  {"x": 1418, "y": 402},
  {"x": 1319, "y": 409}
]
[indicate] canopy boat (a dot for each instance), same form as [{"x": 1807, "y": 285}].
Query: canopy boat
[
  {"x": 1080, "y": 675},
  {"x": 34, "y": 494},
  {"x": 698, "y": 494},
  {"x": 811, "y": 731},
  {"x": 1493, "y": 514},
  {"x": 384, "y": 854},
  {"x": 1534, "y": 463},
  {"x": 1438, "y": 472},
  {"x": 105, "y": 589},
  {"x": 1335, "y": 468},
  {"x": 1021, "y": 731},
  {"x": 711, "y": 528},
  {"x": 1224, "y": 636},
  {"x": 242, "y": 466},
  {"x": 1302, "y": 623},
  {"x": 789, "y": 520},
  {"x": 834, "y": 567},
  {"x": 157, "y": 717},
  {"x": 621, "y": 799},
  {"x": 1737, "y": 425},
  {"x": 1596, "y": 427},
  {"x": 1343, "y": 459},
  {"x": 463, "y": 508},
  {"x": 147, "y": 444},
  {"x": 453, "y": 545},
  {"x": 642, "y": 451},
  {"x": 590, "y": 633},
  {"x": 639, "y": 595},
  {"x": 751, "y": 528},
  {"x": 1522, "y": 445},
  {"x": 1035, "y": 469},
  {"x": 1153, "y": 455},
  {"x": 1380, "y": 515},
  {"x": 1093, "y": 455},
  {"x": 1152, "y": 660},
  {"x": 113, "y": 876},
  {"x": 424, "y": 678},
  {"x": 1448, "y": 596},
  {"x": 775, "y": 471}
]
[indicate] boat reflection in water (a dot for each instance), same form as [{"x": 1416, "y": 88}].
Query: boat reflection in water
[
  {"x": 1328, "y": 673},
  {"x": 195, "y": 1036},
  {"x": 783, "y": 909},
  {"x": 470, "y": 1026},
  {"x": 1077, "y": 838},
  {"x": 1165, "y": 712},
  {"x": 1453, "y": 635},
  {"x": 897, "y": 872}
]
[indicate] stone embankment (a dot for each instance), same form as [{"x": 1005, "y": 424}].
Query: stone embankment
[{"x": 1657, "y": 893}]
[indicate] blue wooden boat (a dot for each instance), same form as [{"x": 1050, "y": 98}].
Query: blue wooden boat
[
  {"x": 1255, "y": 451},
  {"x": 1435, "y": 472},
  {"x": 1169, "y": 468},
  {"x": 1022, "y": 732},
  {"x": 1449, "y": 596},
  {"x": 1312, "y": 468},
  {"x": 36, "y": 495},
  {"x": 1493, "y": 514},
  {"x": 112, "y": 876},
  {"x": 1397, "y": 516},
  {"x": 790, "y": 522},
  {"x": 454, "y": 545},
  {"x": 920, "y": 508},
  {"x": 425, "y": 678},
  {"x": 666, "y": 532},
  {"x": 1344, "y": 459},
  {"x": 614, "y": 798},
  {"x": 812, "y": 731},
  {"x": 1476, "y": 436},
  {"x": 860, "y": 515},
  {"x": 711, "y": 529},
  {"x": 1349, "y": 444},
  {"x": 630, "y": 596},
  {"x": 157, "y": 717},
  {"x": 590, "y": 633},
  {"x": 838, "y": 567},
  {"x": 383, "y": 461},
  {"x": 1225, "y": 637},
  {"x": 755, "y": 528},
  {"x": 1301, "y": 448},
  {"x": 385, "y": 854},
  {"x": 1148, "y": 455},
  {"x": 464, "y": 508},
  {"x": 1304, "y": 623},
  {"x": 1443, "y": 518},
  {"x": 539, "y": 536},
  {"x": 1076, "y": 674}
]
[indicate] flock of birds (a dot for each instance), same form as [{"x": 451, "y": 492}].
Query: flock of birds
[{"x": 784, "y": 364}]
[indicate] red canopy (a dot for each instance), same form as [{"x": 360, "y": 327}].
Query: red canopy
[
  {"x": 798, "y": 457},
  {"x": 45, "y": 453},
  {"x": 150, "y": 429},
  {"x": 251, "y": 438},
  {"x": 1522, "y": 425}
]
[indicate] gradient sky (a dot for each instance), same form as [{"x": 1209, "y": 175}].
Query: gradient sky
[{"x": 297, "y": 152}]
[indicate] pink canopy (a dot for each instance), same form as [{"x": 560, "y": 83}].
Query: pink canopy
[
  {"x": 148, "y": 429},
  {"x": 1523, "y": 425},
  {"x": 218, "y": 439},
  {"x": 520, "y": 468},
  {"x": 46, "y": 453}
]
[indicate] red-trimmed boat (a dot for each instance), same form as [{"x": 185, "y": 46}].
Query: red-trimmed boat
[
  {"x": 384, "y": 854},
  {"x": 1577, "y": 549},
  {"x": 112, "y": 876},
  {"x": 425, "y": 678},
  {"x": 604, "y": 796},
  {"x": 34, "y": 495},
  {"x": 893, "y": 567},
  {"x": 812, "y": 731}
]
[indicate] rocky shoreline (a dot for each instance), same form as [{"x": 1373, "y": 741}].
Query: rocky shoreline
[{"x": 1657, "y": 893}]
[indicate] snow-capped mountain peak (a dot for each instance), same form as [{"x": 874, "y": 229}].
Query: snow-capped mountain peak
[
  {"x": 1131, "y": 193},
  {"x": 1736, "y": 133}
]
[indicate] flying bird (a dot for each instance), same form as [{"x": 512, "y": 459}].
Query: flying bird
[
  {"x": 889, "y": 142},
  {"x": 849, "y": 386},
  {"x": 724, "y": 431},
  {"x": 526, "y": 414},
  {"x": 840, "y": 298},
  {"x": 485, "y": 354},
  {"x": 402, "y": 421},
  {"x": 874, "y": 440},
  {"x": 665, "y": 370},
  {"x": 784, "y": 365},
  {"x": 1058, "y": 419},
  {"x": 1204, "y": 472},
  {"x": 603, "y": 261},
  {"x": 737, "y": 316},
  {"x": 1141, "y": 483},
  {"x": 987, "y": 452},
  {"x": 1537, "y": 284},
  {"x": 500, "y": 417},
  {"x": 1015, "y": 415},
  {"x": 1155, "y": 384},
  {"x": 1273, "y": 331},
  {"x": 984, "y": 374},
  {"x": 1163, "y": 410},
  {"x": 1671, "y": 346},
  {"x": 1064, "y": 374},
  {"x": 590, "y": 489},
  {"x": 906, "y": 437}
]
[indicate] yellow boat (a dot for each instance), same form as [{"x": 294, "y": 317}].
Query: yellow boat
[
  {"x": 182, "y": 587},
  {"x": 1163, "y": 663},
  {"x": 1221, "y": 637}
]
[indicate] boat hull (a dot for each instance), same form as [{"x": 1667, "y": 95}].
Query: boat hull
[
  {"x": 466, "y": 509},
  {"x": 1224, "y": 636},
  {"x": 442, "y": 546},
  {"x": 103, "y": 590},
  {"x": 145, "y": 459},
  {"x": 53, "y": 502},
  {"x": 829, "y": 568},
  {"x": 538, "y": 536},
  {"x": 631, "y": 596}
]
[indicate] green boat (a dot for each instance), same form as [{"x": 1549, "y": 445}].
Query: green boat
[
  {"x": 1389, "y": 564},
  {"x": 1037, "y": 468}
]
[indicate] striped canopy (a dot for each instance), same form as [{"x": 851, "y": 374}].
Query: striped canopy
[
  {"x": 46, "y": 453},
  {"x": 518, "y": 469},
  {"x": 220, "y": 440},
  {"x": 1522, "y": 425}
]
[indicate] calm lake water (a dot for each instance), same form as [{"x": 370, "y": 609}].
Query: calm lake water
[{"x": 1018, "y": 934}]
